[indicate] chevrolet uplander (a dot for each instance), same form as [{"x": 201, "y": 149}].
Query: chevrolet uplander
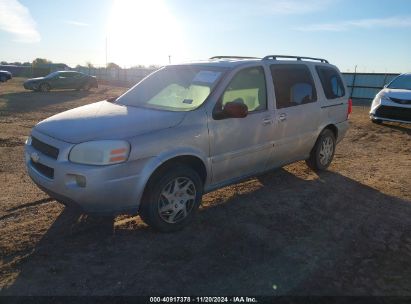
[{"x": 188, "y": 129}]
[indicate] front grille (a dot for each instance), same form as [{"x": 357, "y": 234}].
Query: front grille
[
  {"x": 401, "y": 101},
  {"x": 43, "y": 169},
  {"x": 44, "y": 148},
  {"x": 394, "y": 113}
]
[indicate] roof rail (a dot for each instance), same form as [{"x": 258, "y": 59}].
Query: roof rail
[
  {"x": 274, "y": 57},
  {"x": 233, "y": 57}
]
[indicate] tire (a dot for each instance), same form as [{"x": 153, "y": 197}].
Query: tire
[
  {"x": 376, "y": 121},
  {"x": 3, "y": 79},
  {"x": 44, "y": 87},
  {"x": 172, "y": 213},
  {"x": 322, "y": 154},
  {"x": 86, "y": 87}
]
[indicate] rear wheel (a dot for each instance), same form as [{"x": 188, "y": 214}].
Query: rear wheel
[
  {"x": 86, "y": 87},
  {"x": 44, "y": 87},
  {"x": 323, "y": 152},
  {"x": 171, "y": 199}
]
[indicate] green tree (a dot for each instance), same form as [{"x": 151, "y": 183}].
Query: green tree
[
  {"x": 40, "y": 61},
  {"x": 89, "y": 65},
  {"x": 112, "y": 65}
]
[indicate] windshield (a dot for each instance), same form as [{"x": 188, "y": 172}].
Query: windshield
[
  {"x": 173, "y": 88},
  {"x": 401, "y": 82},
  {"x": 52, "y": 75}
]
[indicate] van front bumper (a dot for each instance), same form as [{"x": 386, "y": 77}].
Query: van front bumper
[{"x": 95, "y": 189}]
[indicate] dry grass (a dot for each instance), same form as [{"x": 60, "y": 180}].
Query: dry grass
[{"x": 343, "y": 232}]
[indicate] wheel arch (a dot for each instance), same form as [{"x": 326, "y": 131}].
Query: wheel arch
[
  {"x": 46, "y": 83},
  {"x": 190, "y": 160},
  {"x": 333, "y": 128}
]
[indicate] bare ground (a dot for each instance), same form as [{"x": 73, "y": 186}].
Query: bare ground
[{"x": 343, "y": 232}]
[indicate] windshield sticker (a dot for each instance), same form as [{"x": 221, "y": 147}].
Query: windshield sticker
[{"x": 206, "y": 76}]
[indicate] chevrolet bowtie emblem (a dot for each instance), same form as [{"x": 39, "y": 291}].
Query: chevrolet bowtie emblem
[{"x": 35, "y": 157}]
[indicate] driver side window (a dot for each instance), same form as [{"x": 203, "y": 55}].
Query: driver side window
[{"x": 248, "y": 86}]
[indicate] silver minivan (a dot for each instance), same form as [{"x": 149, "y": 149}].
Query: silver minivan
[{"x": 189, "y": 129}]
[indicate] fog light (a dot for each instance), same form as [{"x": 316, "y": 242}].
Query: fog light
[
  {"x": 81, "y": 181},
  {"x": 75, "y": 181}
]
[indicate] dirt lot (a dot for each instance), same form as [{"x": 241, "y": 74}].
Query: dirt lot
[{"x": 343, "y": 232}]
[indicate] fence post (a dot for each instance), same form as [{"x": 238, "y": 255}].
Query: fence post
[{"x": 353, "y": 82}]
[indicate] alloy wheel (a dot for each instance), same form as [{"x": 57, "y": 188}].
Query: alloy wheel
[{"x": 176, "y": 200}]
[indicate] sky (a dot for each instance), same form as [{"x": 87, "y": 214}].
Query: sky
[{"x": 374, "y": 35}]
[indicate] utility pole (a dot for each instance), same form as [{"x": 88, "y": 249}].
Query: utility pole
[
  {"x": 169, "y": 59},
  {"x": 106, "y": 52}
]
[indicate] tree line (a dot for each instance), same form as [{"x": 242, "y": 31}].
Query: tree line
[{"x": 39, "y": 62}]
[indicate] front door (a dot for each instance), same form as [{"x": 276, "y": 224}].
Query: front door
[{"x": 241, "y": 146}]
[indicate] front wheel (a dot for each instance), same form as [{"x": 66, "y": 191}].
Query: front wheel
[
  {"x": 87, "y": 87},
  {"x": 323, "y": 152},
  {"x": 44, "y": 87},
  {"x": 172, "y": 199}
]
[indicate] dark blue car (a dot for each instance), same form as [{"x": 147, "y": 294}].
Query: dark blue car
[{"x": 5, "y": 75}]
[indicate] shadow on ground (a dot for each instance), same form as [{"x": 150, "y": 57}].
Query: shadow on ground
[
  {"x": 398, "y": 126},
  {"x": 328, "y": 236}
]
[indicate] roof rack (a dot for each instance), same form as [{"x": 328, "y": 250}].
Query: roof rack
[
  {"x": 233, "y": 57},
  {"x": 274, "y": 57}
]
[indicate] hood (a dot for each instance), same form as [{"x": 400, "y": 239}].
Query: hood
[
  {"x": 105, "y": 120},
  {"x": 397, "y": 93},
  {"x": 34, "y": 79}
]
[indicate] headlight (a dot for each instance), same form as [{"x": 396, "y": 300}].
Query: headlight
[
  {"x": 28, "y": 141},
  {"x": 382, "y": 96},
  {"x": 103, "y": 152}
]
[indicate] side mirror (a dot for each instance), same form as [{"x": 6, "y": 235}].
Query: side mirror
[{"x": 235, "y": 109}]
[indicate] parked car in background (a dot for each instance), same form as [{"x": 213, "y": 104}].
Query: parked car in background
[
  {"x": 393, "y": 102},
  {"x": 189, "y": 129},
  {"x": 61, "y": 80},
  {"x": 5, "y": 75}
]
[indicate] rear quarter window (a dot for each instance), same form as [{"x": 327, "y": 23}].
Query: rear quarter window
[{"x": 331, "y": 82}]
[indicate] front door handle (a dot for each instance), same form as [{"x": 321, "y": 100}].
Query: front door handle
[
  {"x": 267, "y": 121},
  {"x": 282, "y": 117}
]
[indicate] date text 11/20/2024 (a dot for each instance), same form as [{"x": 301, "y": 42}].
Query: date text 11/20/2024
[{"x": 203, "y": 300}]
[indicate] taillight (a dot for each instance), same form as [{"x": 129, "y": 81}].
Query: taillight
[{"x": 349, "y": 111}]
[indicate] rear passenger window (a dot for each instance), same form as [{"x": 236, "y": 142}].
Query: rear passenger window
[
  {"x": 293, "y": 85},
  {"x": 331, "y": 82}
]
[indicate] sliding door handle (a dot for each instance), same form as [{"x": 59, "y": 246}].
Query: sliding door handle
[{"x": 282, "y": 117}]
